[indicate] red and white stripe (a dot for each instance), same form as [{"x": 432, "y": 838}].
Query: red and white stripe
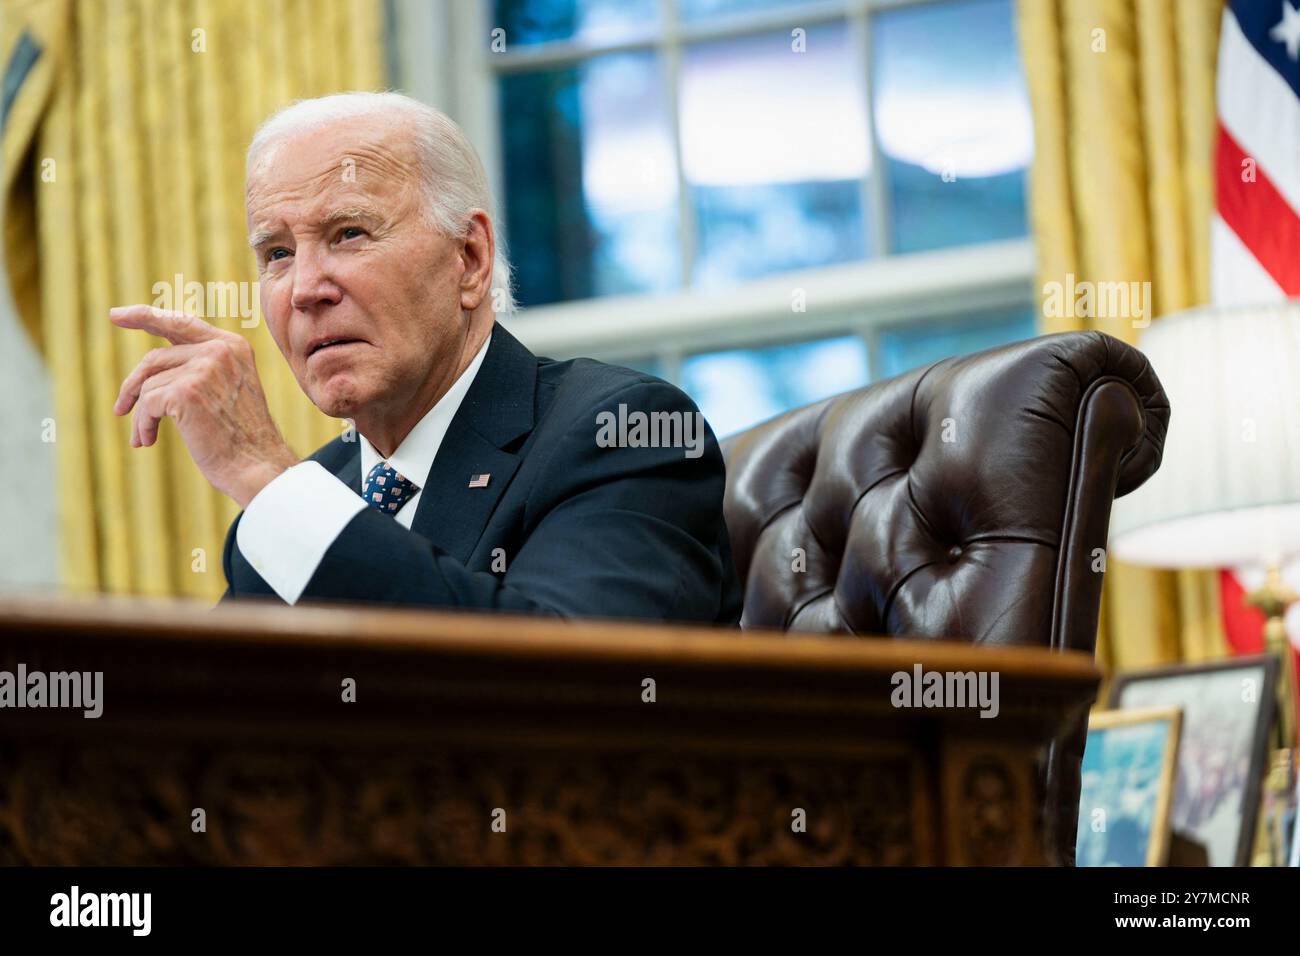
[{"x": 1255, "y": 229}]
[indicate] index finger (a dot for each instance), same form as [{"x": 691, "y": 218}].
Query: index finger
[{"x": 178, "y": 328}]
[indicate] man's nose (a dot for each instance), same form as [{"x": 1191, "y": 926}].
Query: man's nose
[{"x": 313, "y": 284}]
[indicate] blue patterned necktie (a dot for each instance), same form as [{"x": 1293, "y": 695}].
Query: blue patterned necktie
[{"x": 387, "y": 490}]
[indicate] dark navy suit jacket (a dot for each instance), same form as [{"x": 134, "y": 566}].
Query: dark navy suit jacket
[{"x": 585, "y": 531}]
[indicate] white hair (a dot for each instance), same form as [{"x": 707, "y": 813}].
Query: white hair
[{"x": 453, "y": 178}]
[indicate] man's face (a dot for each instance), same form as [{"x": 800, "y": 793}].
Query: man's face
[{"x": 360, "y": 293}]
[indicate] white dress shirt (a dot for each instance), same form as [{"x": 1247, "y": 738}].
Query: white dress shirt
[{"x": 290, "y": 524}]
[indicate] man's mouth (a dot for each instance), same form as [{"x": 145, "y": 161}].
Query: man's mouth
[{"x": 325, "y": 344}]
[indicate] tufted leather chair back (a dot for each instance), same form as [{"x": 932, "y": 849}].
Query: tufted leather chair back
[{"x": 962, "y": 501}]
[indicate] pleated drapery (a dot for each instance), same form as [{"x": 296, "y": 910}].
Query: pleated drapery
[
  {"x": 1122, "y": 188},
  {"x": 124, "y": 182}
]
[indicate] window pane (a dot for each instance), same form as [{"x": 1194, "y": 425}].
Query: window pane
[
  {"x": 953, "y": 121},
  {"x": 739, "y": 388},
  {"x": 591, "y": 192},
  {"x": 704, "y": 9},
  {"x": 907, "y": 347},
  {"x": 774, "y": 149},
  {"x": 589, "y": 21}
]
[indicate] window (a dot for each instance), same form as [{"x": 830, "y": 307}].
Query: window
[
  {"x": 764, "y": 201},
  {"x": 740, "y": 387},
  {"x": 775, "y": 153},
  {"x": 906, "y": 347},
  {"x": 591, "y": 201},
  {"x": 952, "y": 120}
]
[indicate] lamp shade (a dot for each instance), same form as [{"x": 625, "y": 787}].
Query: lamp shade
[{"x": 1228, "y": 488}]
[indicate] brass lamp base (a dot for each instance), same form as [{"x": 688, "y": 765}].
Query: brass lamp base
[
  {"x": 1276, "y": 797},
  {"x": 1273, "y": 598}
]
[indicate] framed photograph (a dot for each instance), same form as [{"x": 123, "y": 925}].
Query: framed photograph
[
  {"x": 1128, "y": 784},
  {"x": 1223, "y": 753},
  {"x": 1294, "y": 858}
]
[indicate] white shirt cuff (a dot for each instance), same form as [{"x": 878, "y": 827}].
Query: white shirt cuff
[{"x": 291, "y": 523}]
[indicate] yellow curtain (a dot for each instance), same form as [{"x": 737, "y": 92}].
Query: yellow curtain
[
  {"x": 1122, "y": 187},
  {"x": 124, "y": 172}
]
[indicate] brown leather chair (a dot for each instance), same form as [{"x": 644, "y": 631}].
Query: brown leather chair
[{"x": 963, "y": 501}]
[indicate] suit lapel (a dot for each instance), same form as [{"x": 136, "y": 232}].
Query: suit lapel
[
  {"x": 450, "y": 513},
  {"x": 343, "y": 460},
  {"x": 497, "y": 410}
]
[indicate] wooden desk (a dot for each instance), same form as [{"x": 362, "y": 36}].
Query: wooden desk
[{"x": 460, "y": 719}]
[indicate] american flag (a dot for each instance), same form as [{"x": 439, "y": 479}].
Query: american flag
[
  {"x": 479, "y": 481},
  {"x": 1255, "y": 230}
]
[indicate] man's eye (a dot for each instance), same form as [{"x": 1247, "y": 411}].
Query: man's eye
[
  {"x": 276, "y": 253},
  {"x": 351, "y": 232}
]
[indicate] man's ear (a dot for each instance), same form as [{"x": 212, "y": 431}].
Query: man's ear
[{"x": 477, "y": 252}]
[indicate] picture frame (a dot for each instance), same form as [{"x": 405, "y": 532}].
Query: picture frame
[
  {"x": 1128, "y": 786},
  {"x": 1293, "y": 857},
  {"x": 1227, "y": 710}
]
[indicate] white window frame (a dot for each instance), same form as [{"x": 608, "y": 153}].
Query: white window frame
[{"x": 439, "y": 52}]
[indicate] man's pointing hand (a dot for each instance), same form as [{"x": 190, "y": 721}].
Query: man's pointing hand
[{"x": 205, "y": 381}]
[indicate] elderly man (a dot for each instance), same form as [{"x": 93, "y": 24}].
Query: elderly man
[{"x": 483, "y": 476}]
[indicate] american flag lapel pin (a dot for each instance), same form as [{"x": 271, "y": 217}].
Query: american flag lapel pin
[{"x": 479, "y": 481}]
